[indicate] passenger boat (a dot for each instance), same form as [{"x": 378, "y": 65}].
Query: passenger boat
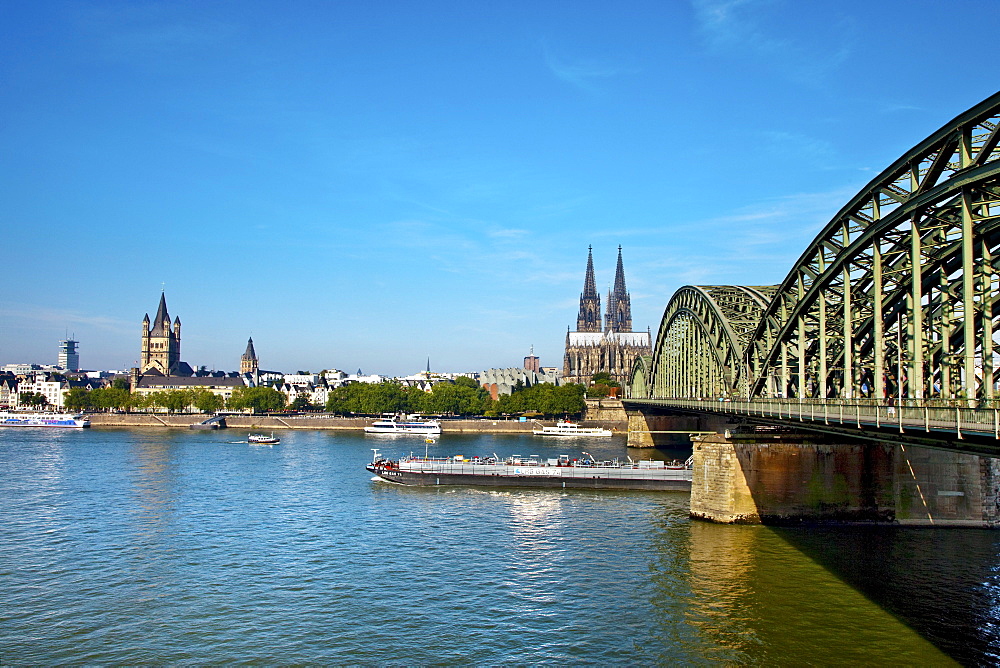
[
  {"x": 63, "y": 420},
  {"x": 394, "y": 426},
  {"x": 566, "y": 428},
  {"x": 517, "y": 471},
  {"x": 263, "y": 439}
]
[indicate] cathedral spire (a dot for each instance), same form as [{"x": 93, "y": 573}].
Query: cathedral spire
[
  {"x": 589, "y": 319},
  {"x": 620, "y": 306},
  {"x": 620, "y": 276},
  {"x": 589, "y": 284}
]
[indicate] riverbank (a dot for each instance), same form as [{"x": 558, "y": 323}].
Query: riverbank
[{"x": 483, "y": 426}]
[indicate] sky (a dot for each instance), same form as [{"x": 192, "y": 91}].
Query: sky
[{"x": 366, "y": 185}]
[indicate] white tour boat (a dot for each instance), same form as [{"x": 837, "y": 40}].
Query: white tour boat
[
  {"x": 263, "y": 439},
  {"x": 64, "y": 420},
  {"x": 566, "y": 428},
  {"x": 394, "y": 426}
]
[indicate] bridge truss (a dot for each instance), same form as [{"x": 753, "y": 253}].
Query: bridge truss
[
  {"x": 701, "y": 341},
  {"x": 896, "y": 297}
]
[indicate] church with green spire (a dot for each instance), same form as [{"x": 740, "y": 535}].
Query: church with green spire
[{"x": 611, "y": 346}]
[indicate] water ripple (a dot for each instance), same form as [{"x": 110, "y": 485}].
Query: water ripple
[{"x": 156, "y": 546}]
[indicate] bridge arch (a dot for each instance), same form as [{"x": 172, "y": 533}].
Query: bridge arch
[
  {"x": 638, "y": 384},
  {"x": 896, "y": 297},
  {"x": 700, "y": 344}
]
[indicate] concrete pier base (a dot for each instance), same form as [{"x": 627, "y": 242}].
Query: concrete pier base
[{"x": 782, "y": 478}]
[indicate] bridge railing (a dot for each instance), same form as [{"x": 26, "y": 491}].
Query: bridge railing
[{"x": 934, "y": 415}]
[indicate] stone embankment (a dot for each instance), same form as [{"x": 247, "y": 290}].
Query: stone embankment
[{"x": 316, "y": 422}]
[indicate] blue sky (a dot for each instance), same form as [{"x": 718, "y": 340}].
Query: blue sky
[{"x": 366, "y": 185}]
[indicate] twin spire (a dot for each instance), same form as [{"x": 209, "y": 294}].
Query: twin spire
[{"x": 618, "y": 317}]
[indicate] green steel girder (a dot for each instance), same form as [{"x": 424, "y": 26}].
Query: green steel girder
[
  {"x": 638, "y": 386},
  {"x": 701, "y": 340},
  {"x": 935, "y": 208},
  {"x": 897, "y": 296}
]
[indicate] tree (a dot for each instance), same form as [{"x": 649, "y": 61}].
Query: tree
[
  {"x": 173, "y": 400},
  {"x": 33, "y": 399},
  {"x": 601, "y": 384},
  {"x": 139, "y": 402},
  {"x": 77, "y": 399},
  {"x": 206, "y": 401},
  {"x": 458, "y": 399},
  {"x": 603, "y": 378},
  {"x": 546, "y": 399},
  {"x": 257, "y": 399},
  {"x": 465, "y": 381},
  {"x": 301, "y": 403},
  {"x": 106, "y": 398}
]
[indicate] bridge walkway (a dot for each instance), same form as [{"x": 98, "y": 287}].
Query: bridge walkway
[{"x": 953, "y": 421}]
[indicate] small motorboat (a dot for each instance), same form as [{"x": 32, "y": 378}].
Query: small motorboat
[{"x": 263, "y": 439}]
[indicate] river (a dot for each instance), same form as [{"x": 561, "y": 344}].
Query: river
[{"x": 158, "y": 546}]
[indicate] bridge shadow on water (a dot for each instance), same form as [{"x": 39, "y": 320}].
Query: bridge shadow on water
[{"x": 942, "y": 583}]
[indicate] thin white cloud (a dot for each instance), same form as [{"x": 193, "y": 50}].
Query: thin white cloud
[
  {"x": 509, "y": 234},
  {"x": 798, "y": 147},
  {"x": 44, "y": 318},
  {"x": 742, "y": 27},
  {"x": 583, "y": 74}
]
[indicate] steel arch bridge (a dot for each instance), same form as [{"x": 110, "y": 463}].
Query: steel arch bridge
[{"x": 896, "y": 297}]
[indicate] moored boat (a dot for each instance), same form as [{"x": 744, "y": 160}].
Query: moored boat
[
  {"x": 567, "y": 428},
  {"x": 394, "y": 426},
  {"x": 263, "y": 439},
  {"x": 61, "y": 420},
  {"x": 517, "y": 471}
]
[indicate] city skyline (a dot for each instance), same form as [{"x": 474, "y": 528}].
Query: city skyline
[{"x": 366, "y": 187}]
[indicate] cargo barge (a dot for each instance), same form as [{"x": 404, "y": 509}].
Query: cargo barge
[{"x": 516, "y": 471}]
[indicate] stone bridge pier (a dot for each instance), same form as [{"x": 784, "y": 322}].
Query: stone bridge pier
[{"x": 788, "y": 478}]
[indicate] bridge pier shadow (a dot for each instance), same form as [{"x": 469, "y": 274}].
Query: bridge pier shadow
[
  {"x": 780, "y": 477},
  {"x": 650, "y": 429}
]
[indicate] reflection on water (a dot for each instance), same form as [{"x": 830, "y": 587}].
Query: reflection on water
[
  {"x": 744, "y": 595},
  {"x": 160, "y": 546},
  {"x": 944, "y": 583}
]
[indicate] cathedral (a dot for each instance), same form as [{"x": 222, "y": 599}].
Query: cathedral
[{"x": 612, "y": 348}]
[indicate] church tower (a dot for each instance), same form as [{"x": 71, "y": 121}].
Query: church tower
[
  {"x": 589, "y": 319},
  {"x": 161, "y": 342},
  {"x": 619, "y": 315},
  {"x": 248, "y": 363}
]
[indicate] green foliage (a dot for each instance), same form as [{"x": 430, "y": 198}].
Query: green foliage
[
  {"x": 301, "y": 403},
  {"x": 370, "y": 399},
  {"x": 120, "y": 384},
  {"x": 456, "y": 399},
  {"x": 465, "y": 381},
  {"x": 77, "y": 399},
  {"x": 33, "y": 399},
  {"x": 106, "y": 398},
  {"x": 546, "y": 399},
  {"x": 173, "y": 400},
  {"x": 206, "y": 401},
  {"x": 142, "y": 401},
  {"x": 603, "y": 378},
  {"x": 598, "y": 391},
  {"x": 257, "y": 399},
  {"x": 459, "y": 398}
]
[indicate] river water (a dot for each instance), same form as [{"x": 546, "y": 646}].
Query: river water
[{"x": 175, "y": 546}]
